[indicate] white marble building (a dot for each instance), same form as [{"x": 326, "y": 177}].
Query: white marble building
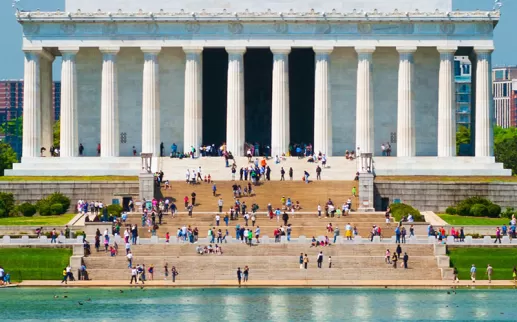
[{"x": 383, "y": 71}]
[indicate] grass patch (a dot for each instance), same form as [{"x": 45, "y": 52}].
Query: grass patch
[
  {"x": 447, "y": 179},
  {"x": 501, "y": 259},
  {"x": 473, "y": 221},
  {"x": 79, "y": 178},
  {"x": 35, "y": 263},
  {"x": 37, "y": 220}
]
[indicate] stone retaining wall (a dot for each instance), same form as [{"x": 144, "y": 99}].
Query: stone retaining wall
[
  {"x": 32, "y": 191},
  {"x": 436, "y": 196}
]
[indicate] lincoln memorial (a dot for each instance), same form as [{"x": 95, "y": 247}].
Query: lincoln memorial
[{"x": 339, "y": 74}]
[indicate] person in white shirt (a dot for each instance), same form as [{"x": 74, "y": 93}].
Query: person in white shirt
[
  {"x": 217, "y": 219},
  {"x": 319, "y": 211},
  {"x": 129, "y": 259},
  {"x": 187, "y": 176},
  {"x": 134, "y": 273}
]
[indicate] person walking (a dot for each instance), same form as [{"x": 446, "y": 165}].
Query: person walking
[
  {"x": 239, "y": 276},
  {"x": 166, "y": 271},
  {"x": 330, "y": 261},
  {"x": 282, "y": 174},
  {"x": 489, "y": 271},
  {"x": 473, "y": 273},
  {"x": 305, "y": 261},
  {"x": 497, "y": 235},
  {"x": 134, "y": 273},
  {"x": 320, "y": 259},
  {"x": 220, "y": 204},
  {"x": 394, "y": 260},
  {"x": 514, "y": 274},
  {"x": 354, "y": 191},
  {"x": 455, "y": 278},
  {"x": 174, "y": 273},
  {"x": 301, "y": 260}
]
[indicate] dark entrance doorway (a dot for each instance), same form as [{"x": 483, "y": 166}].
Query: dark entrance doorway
[
  {"x": 301, "y": 95},
  {"x": 215, "y": 75},
  {"x": 258, "y": 77}
]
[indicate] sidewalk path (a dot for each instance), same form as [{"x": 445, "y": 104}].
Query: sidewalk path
[
  {"x": 280, "y": 283},
  {"x": 434, "y": 219}
]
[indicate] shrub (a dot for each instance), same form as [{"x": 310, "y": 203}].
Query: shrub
[
  {"x": 399, "y": 210},
  {"x": 27, "y": 209},
  {"x": 56, "y": 209},
  {"x": 59, "y": 198},
  {"x": 463, "y": 210},
  {"x": 115, "y": 210},
  {"x": 43, "y": 208},
  {"x": 494, "y": 210},
  {"x": 7, "y": 207},
  {"x": 508, "y": 212},
  {"x": 479, "y": 210},
  {"x": 450, "y": 211}
]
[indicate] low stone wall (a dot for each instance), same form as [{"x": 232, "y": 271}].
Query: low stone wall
[
  {"x": 32, "y": 191},
  {"x": 436, "y": 196}
]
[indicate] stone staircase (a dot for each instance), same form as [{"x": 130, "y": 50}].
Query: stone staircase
[
  {"x": 309, "y": 195},
  {"x": 269, "y": 262},
  {"x": 338, "y": 168},
  {"x": 302, "y": 224}
]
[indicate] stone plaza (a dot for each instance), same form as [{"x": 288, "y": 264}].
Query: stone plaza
[{"x": 132, "y": 76}]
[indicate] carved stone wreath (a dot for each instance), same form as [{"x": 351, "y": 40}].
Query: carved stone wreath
[
  {"x": 235, "y": 27},
  {"x": 68, "y": 28},
  {"x": 364, "y": 28},
  {"x": 109, "y": 28},
  {"x": 192, "y": 27},
  {"x": 447, "y": 28},
  {"x": 281, "y": 27}
]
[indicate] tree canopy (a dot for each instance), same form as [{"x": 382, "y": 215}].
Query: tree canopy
[{"x": 7, "y": 157}]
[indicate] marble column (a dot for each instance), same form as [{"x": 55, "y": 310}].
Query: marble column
[
  {"x": 364, "y": 118},
  {"x": 151, "y": 102},
  {"x": 31, "y": 106},
  {"x": 193, "y": 126},
  {"x": 280, "y": 105},
  {"x": 47, "y": 110},
  {"x": 322, "y": 108},
  {"x": 69, "y": 141},
  {"x": 109, "y": 103},
  {"x": 484, "y": 103},
  {"x": 405, "y": 111},
  {"x": 446, "y": 104},
  {"x": 235, "y": 120}
]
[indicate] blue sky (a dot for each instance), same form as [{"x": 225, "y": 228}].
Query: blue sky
[{"x": 11, "y": 64}]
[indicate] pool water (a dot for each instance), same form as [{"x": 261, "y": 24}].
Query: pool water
[{"x": 255, "y": 304}]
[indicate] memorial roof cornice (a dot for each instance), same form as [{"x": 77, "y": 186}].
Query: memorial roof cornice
[{"x": 248, "y": 16}]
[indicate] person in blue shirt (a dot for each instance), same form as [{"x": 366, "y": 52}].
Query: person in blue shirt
[
  {"x": 174, "y": 148},
  {"x": 473, "y": 273},
  {"x": 504, "y": 229}
]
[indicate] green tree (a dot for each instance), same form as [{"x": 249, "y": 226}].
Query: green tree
[
  {"x": 12, "y": 127},
  {"x": 7, "y": 157},
  {"x": 462, "y": 137},
  {"x": 505, "y": 150},
  {"x": 57, "y": 133}
]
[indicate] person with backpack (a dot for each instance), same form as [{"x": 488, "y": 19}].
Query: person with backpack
[{"x": 174, "y": 273}]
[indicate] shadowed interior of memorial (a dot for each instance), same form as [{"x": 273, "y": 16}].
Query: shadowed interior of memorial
[
  {"x": 258, "y": 73},
  {"x": 215, "y": 76},
  {"x": 301, "y": 95}
]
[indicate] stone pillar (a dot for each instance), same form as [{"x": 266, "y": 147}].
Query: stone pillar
[
  {"x": 235, "y": 121},
  {"x": 193, "y": 127},
  {"x": 151, "y": 102},
  {"x": 69, "y": 141},
  {"x": 47, "y": 111},
  {"x": 364, "y": 124},
  {"x": 366, "y": 195},
  {"x": 405, "y": 112},
  {"x": 31, "y": 106},
  {"x": 109, "y": 104},
  {"x": 446, "y": 104},
  {"x": 280, "y": 105},
  {"x": 484, "y": 103},
  {"x": 322, "y": 108}
]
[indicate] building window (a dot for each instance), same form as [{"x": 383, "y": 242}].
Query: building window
[{"x": 457, "y": 69}]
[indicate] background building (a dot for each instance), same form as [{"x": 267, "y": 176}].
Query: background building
[
  {"x": 463, "y": 80},
  {"x": 503, "y": 79},
  {"x": 11, "y": 111}
]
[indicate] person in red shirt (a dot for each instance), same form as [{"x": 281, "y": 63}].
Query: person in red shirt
[{"x": 186, "y": 201}]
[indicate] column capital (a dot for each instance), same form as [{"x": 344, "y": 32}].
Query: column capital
[
  {"x": 483, "y": 49},
  {"x": 42, "y": 52},
  {"x": 70, "y": 50},
  {"x": 235, "y": 50},
  {"x": 193, "y": 49},
  {"x": 365, "y": 49},
  {"x": 447, "y": 49},
  {"x": 151, "y": 49},
  {"x": 323, "y": 49},
  {"x": 285, "y": 50},
  {"x": 406, "y": 49},
  {"x": 109, "y": 50}
]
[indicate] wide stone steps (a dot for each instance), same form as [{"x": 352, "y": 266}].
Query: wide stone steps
[
  {"x": 275, "y": 250},
  {"x": 309, "y": 195},
  {"x": 312, "y": 273},
  {"x": 223, "y": 262}
]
